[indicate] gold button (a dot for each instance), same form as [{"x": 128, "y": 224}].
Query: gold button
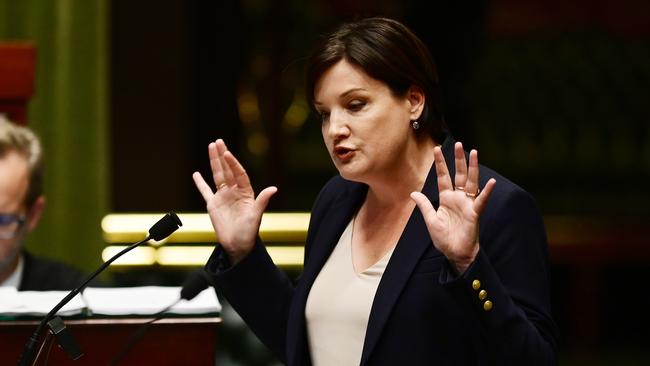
[
  {"x": 482, "y": 295},
  {"x": 487, "y": 306},
  {"x": 476, "y": 284}
]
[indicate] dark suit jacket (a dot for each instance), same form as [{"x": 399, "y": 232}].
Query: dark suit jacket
[
  {"x": 422, "y": 314},
  {"x": 40, "y": 274}
]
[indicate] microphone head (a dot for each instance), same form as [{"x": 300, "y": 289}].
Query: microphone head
[
  {"x": 196, "y": 282},
  {"x": 165, "y": 227}
]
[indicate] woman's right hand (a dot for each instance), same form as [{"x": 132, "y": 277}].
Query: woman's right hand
[{"x": 234, "y": 211}]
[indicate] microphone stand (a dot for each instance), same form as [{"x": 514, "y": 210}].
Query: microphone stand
[
  {"x": 160, "y": 230},
  {"x": 139, "y": 333},
  {"x": 193, "y": 285}
]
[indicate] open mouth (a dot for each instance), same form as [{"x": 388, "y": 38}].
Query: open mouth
[{"x": 343, "y": 153}]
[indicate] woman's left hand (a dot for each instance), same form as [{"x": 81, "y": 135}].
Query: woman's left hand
[{"x": 454, "y": 226}]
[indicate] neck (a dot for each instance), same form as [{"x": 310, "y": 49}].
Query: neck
[{"x": 409, "y": 175}]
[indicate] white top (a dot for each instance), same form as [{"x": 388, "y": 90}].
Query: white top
[
  {"x": 16, "y": 276},
  {"x": 338, "y": 306}
]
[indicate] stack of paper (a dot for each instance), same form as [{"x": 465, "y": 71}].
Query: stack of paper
[
  {"x": 148, "y": 300},
  {"x": 37, "y": 303},
  {"x": 107, "y": 301}
]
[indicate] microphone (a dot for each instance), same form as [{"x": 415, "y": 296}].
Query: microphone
[
  {"x": 160, "y": 230},
  {"x": 165, "y": 227},
  {"x": 195, "y": 282}
]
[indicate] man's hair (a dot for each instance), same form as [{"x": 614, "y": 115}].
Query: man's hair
[{"x": 19, "y": 139}]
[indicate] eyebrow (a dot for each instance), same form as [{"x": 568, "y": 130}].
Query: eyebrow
[{"x": 317, "y": 103}]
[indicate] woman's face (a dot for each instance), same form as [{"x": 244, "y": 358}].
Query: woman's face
[{"x": 366, "y": 128}]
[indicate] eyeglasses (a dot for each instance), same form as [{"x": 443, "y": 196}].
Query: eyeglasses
[{"x": 10, "y": 225}]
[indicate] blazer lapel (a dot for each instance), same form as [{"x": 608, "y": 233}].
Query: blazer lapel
[
  {"x": 330, "y": 230},
  {"x": 411, "y": 246}
]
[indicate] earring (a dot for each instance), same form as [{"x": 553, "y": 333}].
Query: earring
[{"x": 415, "y": 125}]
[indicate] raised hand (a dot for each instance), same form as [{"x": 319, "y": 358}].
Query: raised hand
[
  {"x": 234, "y": 211},
  {"x": 454, "y": 226}
]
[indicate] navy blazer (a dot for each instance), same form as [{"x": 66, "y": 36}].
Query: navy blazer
[
  {"x": 41, "y": 274},
  {"x": 421, "y": 314}
]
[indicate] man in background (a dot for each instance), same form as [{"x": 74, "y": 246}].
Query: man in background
[{"x": 21, "y": 206}]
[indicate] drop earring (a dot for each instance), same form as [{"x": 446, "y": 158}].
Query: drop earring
[{"x": 415, "y": 125}]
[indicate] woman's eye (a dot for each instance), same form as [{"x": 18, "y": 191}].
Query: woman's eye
[
  {"x": 356, "y": 105},
  {"x": 324, "y": 116}
]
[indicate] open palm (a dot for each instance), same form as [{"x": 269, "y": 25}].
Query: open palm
[
  {"x": 454, "y": 226},
  {"x": 234, "y": 211}
]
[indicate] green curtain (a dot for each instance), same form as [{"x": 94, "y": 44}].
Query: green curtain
[{"x": 70, "y": 113}]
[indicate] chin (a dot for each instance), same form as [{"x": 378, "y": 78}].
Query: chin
[{"x": 350, "y": 174}]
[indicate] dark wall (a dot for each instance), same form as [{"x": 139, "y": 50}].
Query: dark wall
[
  {"x": 175, "y": 67},
  {"x": 552, "y": 93}
]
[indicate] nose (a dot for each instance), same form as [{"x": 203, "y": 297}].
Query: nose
[{"x": 337, "y": 127}]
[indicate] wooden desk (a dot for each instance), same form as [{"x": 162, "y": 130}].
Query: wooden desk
[{"x": 170, "y": 341}]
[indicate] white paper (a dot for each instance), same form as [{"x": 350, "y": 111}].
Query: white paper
[
  {"x": 147, "y": 300},
  {"x": 205, "y": 302},
  {"x": 37, "y": 303}
]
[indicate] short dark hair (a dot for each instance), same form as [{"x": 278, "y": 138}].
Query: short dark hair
[{"x": 387, "y": 51}]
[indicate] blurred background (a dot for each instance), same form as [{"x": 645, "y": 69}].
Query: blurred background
[{"x": 554, "y": 94}]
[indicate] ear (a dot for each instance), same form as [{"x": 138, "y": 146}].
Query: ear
[
  {"x": 416, "y": 99},
  {"x": 35, "y": 212}
]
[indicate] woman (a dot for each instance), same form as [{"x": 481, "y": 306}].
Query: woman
[{"x": 385, "y": 283}]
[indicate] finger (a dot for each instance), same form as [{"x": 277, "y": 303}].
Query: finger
[
  {"x": 263, "y": 198},
  {"x": 238, "y": 171},
  {"x": 423, "y": 204},
  {"x": 471, "y": 185},
  {"x": 481, "y": 200},
  {"x": 222, "y": 150},
  {"x": 444, "y": 181},
  {"x": 461, "y": 166},
  {"x": 215, "y": 164},
  {"x": 202, "y": 186}
]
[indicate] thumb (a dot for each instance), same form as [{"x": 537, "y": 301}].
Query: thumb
[
  {"x": 264, "y": 197},
  {"x": 423, "y": 203}
]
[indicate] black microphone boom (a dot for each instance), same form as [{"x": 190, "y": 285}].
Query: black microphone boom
[{"x": 160, "y": 230}]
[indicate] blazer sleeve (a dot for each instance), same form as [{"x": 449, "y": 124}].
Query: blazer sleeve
[
  {"x": 258, "y": 290},
  {"x": 507, "y": 285}
]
